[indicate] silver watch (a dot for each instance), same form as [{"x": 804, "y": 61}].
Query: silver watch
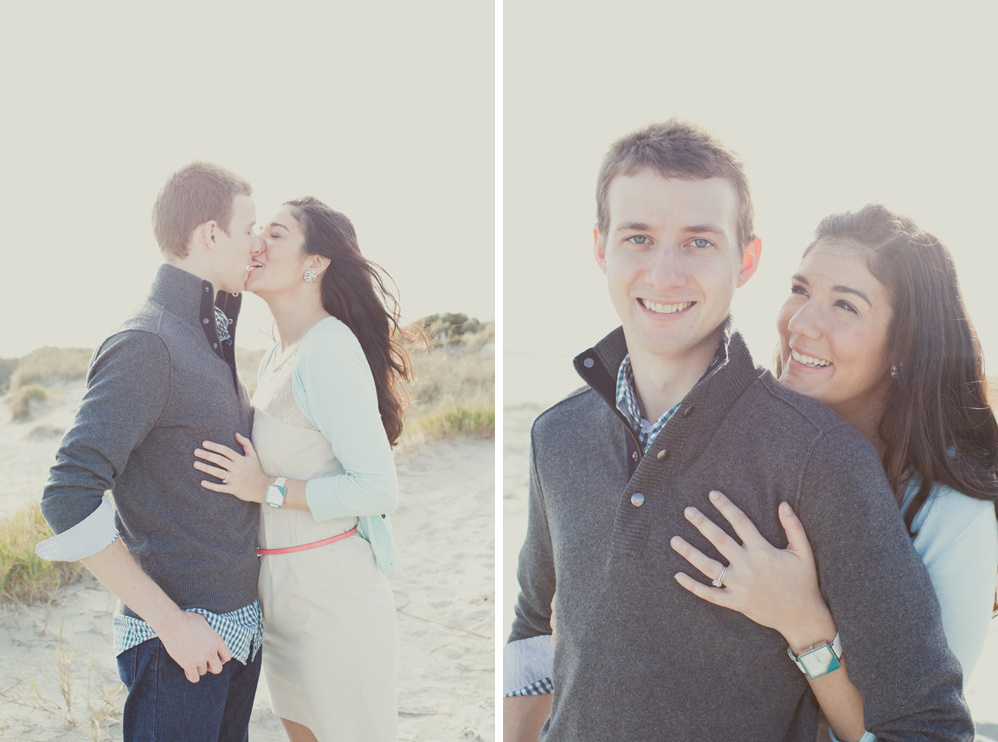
[
  {"x": 818, "y": 659},
  {"x": 276, "y": 493}
]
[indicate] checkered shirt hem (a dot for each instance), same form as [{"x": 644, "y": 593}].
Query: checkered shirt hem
[
  {"x": 542, "y": 687},
  {"x": 241, "y": 630}
]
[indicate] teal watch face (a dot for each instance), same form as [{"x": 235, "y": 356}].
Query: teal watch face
[{"x": 820, "y": 661}]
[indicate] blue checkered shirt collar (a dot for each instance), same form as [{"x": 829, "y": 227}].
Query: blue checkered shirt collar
[
  {"x": 222, "y": 323},
  {"x": 627, "y": 401}
]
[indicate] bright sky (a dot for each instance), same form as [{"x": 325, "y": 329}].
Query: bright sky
[
  {"x": 830, "y": 108},
  {"x": 383, "y": 111}
]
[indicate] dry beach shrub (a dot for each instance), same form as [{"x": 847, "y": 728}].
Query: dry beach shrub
[
  {"x": 21, "y": 401},
  {"x": 25, "y": 577},
  {"x": 453, "y": 393},
  {"x": 49, "y": 365}
]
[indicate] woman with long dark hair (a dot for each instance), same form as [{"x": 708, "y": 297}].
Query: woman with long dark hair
[
  {"x": 875, "y": 328},
  {"x": 328, "y": 410}
]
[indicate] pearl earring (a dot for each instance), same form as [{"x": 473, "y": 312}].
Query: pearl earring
[{"x": 310, "y": 276}]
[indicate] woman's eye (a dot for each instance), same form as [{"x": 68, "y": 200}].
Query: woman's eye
[
  {"x": 846, "y": 305},
  {"x": 798, "y": 289}
]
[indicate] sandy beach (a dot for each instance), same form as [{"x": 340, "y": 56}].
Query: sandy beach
[
  {"x": 58, "y": 678},
  {"x": 981, "y": 691}
]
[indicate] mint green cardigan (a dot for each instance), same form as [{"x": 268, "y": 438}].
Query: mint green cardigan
[{"x": 333, "y": 386}]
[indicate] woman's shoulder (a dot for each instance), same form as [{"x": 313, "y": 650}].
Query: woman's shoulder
[
  {"x": 331, "y": 354},
  {"x": 330, "y": 335},
  {"x": 948, "y": 509}
]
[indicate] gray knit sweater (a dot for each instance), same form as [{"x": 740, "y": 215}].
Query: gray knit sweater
[
  {"x": 156, "y": 389},
  {"x": 638, "y": 657}
]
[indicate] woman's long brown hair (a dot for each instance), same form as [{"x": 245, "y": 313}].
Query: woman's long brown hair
[
  {"x": 938, "y": 422},
  {"x": 354, "y": 292}
]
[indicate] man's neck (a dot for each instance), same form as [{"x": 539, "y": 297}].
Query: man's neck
[{"x": 661, "y": 382}]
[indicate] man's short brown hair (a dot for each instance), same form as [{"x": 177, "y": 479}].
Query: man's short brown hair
[
  {"x": 197, "y": 193},
  {"x": 675, "y": 149}
]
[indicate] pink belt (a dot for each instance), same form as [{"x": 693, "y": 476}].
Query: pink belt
[{"x": 260, "y": 551}]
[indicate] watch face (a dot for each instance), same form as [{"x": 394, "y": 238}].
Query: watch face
[
  {"x": 820, "y": 661},
  {"x": 274, "y": 496}
]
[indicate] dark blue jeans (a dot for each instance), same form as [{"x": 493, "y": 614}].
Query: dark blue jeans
[{"x": 164, "y": 706}]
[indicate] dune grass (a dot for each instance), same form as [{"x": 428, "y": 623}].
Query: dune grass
[
  {"x": 24, "y": 577},
  {"x": 29, "y": 376},
  {"x": 453, "y": 393},
  {"x": 49, "y": 365},
  {"x": 21, "y": 398}
]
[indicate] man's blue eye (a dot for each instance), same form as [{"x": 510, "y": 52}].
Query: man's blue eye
[
  {"x": 700, "y": 242},
  {"x": 639, "y": 239}
]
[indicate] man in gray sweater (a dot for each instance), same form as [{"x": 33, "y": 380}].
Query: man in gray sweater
[
  {"x": 181, "y": 558},
  {"x": 673, "y": 408}
]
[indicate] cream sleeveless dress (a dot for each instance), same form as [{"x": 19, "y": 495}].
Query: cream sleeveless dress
[{"x": 329, "y": 643}]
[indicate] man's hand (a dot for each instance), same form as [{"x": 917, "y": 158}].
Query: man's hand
[
  {"x": 523, "y": 717},
  {"x": 187, "y": 637},
  {"x": 194, "y": 645}
]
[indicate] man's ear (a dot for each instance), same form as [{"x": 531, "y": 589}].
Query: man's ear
[
  {"x": 750, "y": 260},
  {"x": 205, "y": 233},
  {"x": 599, "y": 248}
]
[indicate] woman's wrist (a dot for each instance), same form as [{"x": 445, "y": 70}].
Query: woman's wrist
[
  {"x": 262, "y": 494},
  {"x": 815, "y": 625}
]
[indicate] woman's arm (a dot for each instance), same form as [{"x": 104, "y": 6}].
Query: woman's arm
[
  {"x": 335, "y": 390},
  {"x": 777, "y": 588},
  {"x": 957, "y": 540}
]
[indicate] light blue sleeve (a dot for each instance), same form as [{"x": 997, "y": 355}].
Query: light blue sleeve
[
  {"x": 958, "y": 542},
  {"x": 334, "y": 388},
  {"x": 867, "y": 737}
]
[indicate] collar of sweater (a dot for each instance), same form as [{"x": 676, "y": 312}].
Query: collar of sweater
[
  {"x": 707, "y": 402},
  {"x": 192, "y": 298}
]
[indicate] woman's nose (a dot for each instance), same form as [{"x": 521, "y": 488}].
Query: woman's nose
[{"x": 805, "y": 322}]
